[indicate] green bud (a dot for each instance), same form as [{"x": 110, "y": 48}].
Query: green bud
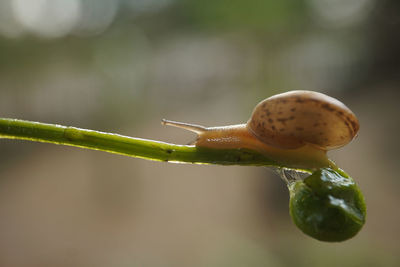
[{"x": 327, "y": 205}]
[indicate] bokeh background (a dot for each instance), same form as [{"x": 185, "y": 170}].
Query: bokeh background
[{"x": 122, "y": 66}]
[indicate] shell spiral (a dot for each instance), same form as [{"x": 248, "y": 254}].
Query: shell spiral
[{"x": 293, "y": 119}]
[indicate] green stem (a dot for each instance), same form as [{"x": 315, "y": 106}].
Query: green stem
[{"x": 129, "y": 146}]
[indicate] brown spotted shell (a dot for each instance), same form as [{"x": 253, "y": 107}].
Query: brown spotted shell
[{"x": 294, "y": 118}]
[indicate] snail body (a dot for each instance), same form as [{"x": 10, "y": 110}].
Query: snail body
[{"x": 296, "y": 127}]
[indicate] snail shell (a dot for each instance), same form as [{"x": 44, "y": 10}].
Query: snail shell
[{"x": 292, "y": 119}]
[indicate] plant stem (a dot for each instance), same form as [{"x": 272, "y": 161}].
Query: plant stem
[{"x": 129, "y": 146}]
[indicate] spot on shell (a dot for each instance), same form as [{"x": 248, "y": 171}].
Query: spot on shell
[
  {"x": 328, "y": 107},
  {"x": 282, "y": 120},
  {"x": 354, "y": 124}
]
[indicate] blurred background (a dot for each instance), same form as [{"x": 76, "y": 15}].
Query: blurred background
[{"x": 123, "y": 65}]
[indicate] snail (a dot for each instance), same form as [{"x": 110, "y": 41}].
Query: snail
[{"x": 296, "y": 127}]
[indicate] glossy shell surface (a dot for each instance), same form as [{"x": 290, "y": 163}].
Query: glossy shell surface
[{"x": 294, "y": 118}]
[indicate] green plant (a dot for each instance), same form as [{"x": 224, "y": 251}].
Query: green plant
[{"x": 326, "y": 205}]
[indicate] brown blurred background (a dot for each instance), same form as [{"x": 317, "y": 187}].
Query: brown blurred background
[{"x": 122, "y": 66}]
